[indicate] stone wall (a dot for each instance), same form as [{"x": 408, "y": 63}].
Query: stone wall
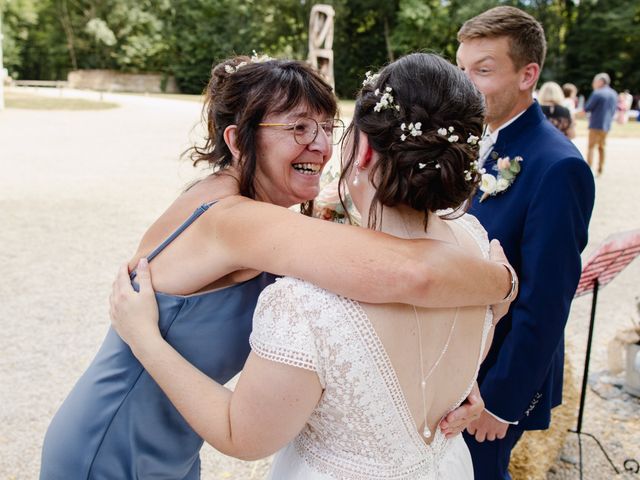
[{"x": 113, "y": 81}]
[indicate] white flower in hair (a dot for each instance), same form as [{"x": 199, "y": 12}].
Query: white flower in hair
[
  {"x": 473, "y": 140},
  {"x": 255, "y": 58},
  {"x": 412, "y": 128},
  {"x": 231, "y": 69},
  {"x": 442, "y": 131},
  {"x": 453, "y": 138},
  {"x": 421, "y": 166},
  {"x": 369, "y": 78},
  {"x": 451, "y": 129},
  {"x": 403, "y": 127},
  {"x": 386, "y": 100}
]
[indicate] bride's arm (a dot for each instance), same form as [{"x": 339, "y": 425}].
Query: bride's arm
[
  {"x": 271, "y": 402},
  {"x": 268, "y": 408},
  {"x": 355, "y": 262}
]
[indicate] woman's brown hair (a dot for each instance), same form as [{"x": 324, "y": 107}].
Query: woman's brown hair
[{"x": 242, "y": 91}]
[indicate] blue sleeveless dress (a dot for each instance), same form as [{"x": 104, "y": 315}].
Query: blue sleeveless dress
[{"x": 117, "y": 423}]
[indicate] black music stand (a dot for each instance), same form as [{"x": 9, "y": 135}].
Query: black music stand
[{"x": 611, "y": 257}]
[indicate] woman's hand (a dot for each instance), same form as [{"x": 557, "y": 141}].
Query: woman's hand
[
  {"x": 496, "y": 253},
  {"x": 459, "y": 419},
  {"x": 134, "y": 315}
]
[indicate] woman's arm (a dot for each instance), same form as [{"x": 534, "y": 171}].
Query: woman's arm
[
  {"x": 269, "y": 406},
  {"x": 355, "y": 262}
]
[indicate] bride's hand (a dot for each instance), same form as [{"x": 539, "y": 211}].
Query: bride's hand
[{"x": 134, "y": 315}]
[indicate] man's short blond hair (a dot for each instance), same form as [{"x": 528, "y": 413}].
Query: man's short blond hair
[{"x": 526, "y": 36}]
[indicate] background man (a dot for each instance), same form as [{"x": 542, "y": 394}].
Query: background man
[
  {"x": 602, "y": 107},
  {"x": 539, "y": 208}
]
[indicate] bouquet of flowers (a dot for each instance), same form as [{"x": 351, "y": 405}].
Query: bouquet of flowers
[{"x": 327, "y": 204}]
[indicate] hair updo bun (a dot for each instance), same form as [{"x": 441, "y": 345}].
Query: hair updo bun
[
  {"x": 423, "y": 117},
  {"x": 222, "y": 71}
]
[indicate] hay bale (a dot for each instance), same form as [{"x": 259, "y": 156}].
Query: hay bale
[{"x": 538, "y": 450}]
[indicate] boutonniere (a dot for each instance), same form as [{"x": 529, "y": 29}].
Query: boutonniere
[{"x": 507, "y": 170}]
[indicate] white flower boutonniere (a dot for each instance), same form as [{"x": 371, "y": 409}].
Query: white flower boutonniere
[{"x": 507, "y": 169}]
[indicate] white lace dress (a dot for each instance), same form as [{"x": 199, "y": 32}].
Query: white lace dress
[{"x": 362, "y": 427}]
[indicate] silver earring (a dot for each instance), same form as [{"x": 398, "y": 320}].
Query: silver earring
[{"x": 356, "y": 180}]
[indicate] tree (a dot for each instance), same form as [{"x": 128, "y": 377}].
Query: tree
[
  {"x": 605, "y": 38},
  {"x": 18, "y": 18},
  {"x": 47, "y": 38},
  {"x": 362, "y": 40}
]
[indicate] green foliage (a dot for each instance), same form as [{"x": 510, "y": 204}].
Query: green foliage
[
  {"x": 44, "y": 39},
  {"x": 360, "y": 42},
  {"x": 423, "y": 26},
  {"x": 605, "y": 38},
  {"x": 18, "y": 19},
  {"x": 204, "y": 32}
]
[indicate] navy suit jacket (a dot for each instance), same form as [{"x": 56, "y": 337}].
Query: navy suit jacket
[{"x": 541, "y": 221}]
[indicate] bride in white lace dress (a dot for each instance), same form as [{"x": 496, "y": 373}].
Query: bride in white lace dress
[{"x": 350, "y": 390}]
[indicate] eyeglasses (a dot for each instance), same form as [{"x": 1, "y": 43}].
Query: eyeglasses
[{"x": 305, "y": 130}]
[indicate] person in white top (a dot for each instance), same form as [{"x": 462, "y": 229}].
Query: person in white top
[
  {"x": 570, "y": 92},
  {"x": 344, "y": 389}
]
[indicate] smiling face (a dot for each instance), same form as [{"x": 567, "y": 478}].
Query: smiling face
[
  {"x": 487, "y": 63},
  {"x": 288, "y": 173}
]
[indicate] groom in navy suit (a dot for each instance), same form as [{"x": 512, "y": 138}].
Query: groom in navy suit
[{"x": 536, "y": 198}]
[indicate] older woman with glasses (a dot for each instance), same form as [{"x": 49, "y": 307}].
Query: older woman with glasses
[{"x": 271, "y": 126}]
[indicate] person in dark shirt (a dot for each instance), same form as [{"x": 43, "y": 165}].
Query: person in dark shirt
[
  {"x": 602, "y": 107},
  {"x": 551, "y": 99}
]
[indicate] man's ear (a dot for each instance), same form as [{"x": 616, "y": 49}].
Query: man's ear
[
  {"x": 529, "y": 76},
  {"x": 230, "y": 136}
]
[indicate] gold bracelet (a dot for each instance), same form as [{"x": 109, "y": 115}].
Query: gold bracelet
[{"x": 514, "y": 283}]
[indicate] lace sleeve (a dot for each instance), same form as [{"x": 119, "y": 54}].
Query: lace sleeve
[{"x": 283, "y": 323}]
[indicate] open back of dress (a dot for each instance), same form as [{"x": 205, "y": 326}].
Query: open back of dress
[{"x": 366, "y": 424}]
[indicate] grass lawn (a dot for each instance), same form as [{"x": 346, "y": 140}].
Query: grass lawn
[
  {"x": 32, "y": 101},
  {"x": 172, "y": 96}
]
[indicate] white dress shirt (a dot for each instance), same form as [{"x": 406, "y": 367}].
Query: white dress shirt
[{"x": 490, "y": 138}]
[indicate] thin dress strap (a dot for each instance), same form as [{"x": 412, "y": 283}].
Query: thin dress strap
[{"x": 199, "y": 211}]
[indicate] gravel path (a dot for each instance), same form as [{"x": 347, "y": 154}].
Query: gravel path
[{"x": 77, "y": 189}]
